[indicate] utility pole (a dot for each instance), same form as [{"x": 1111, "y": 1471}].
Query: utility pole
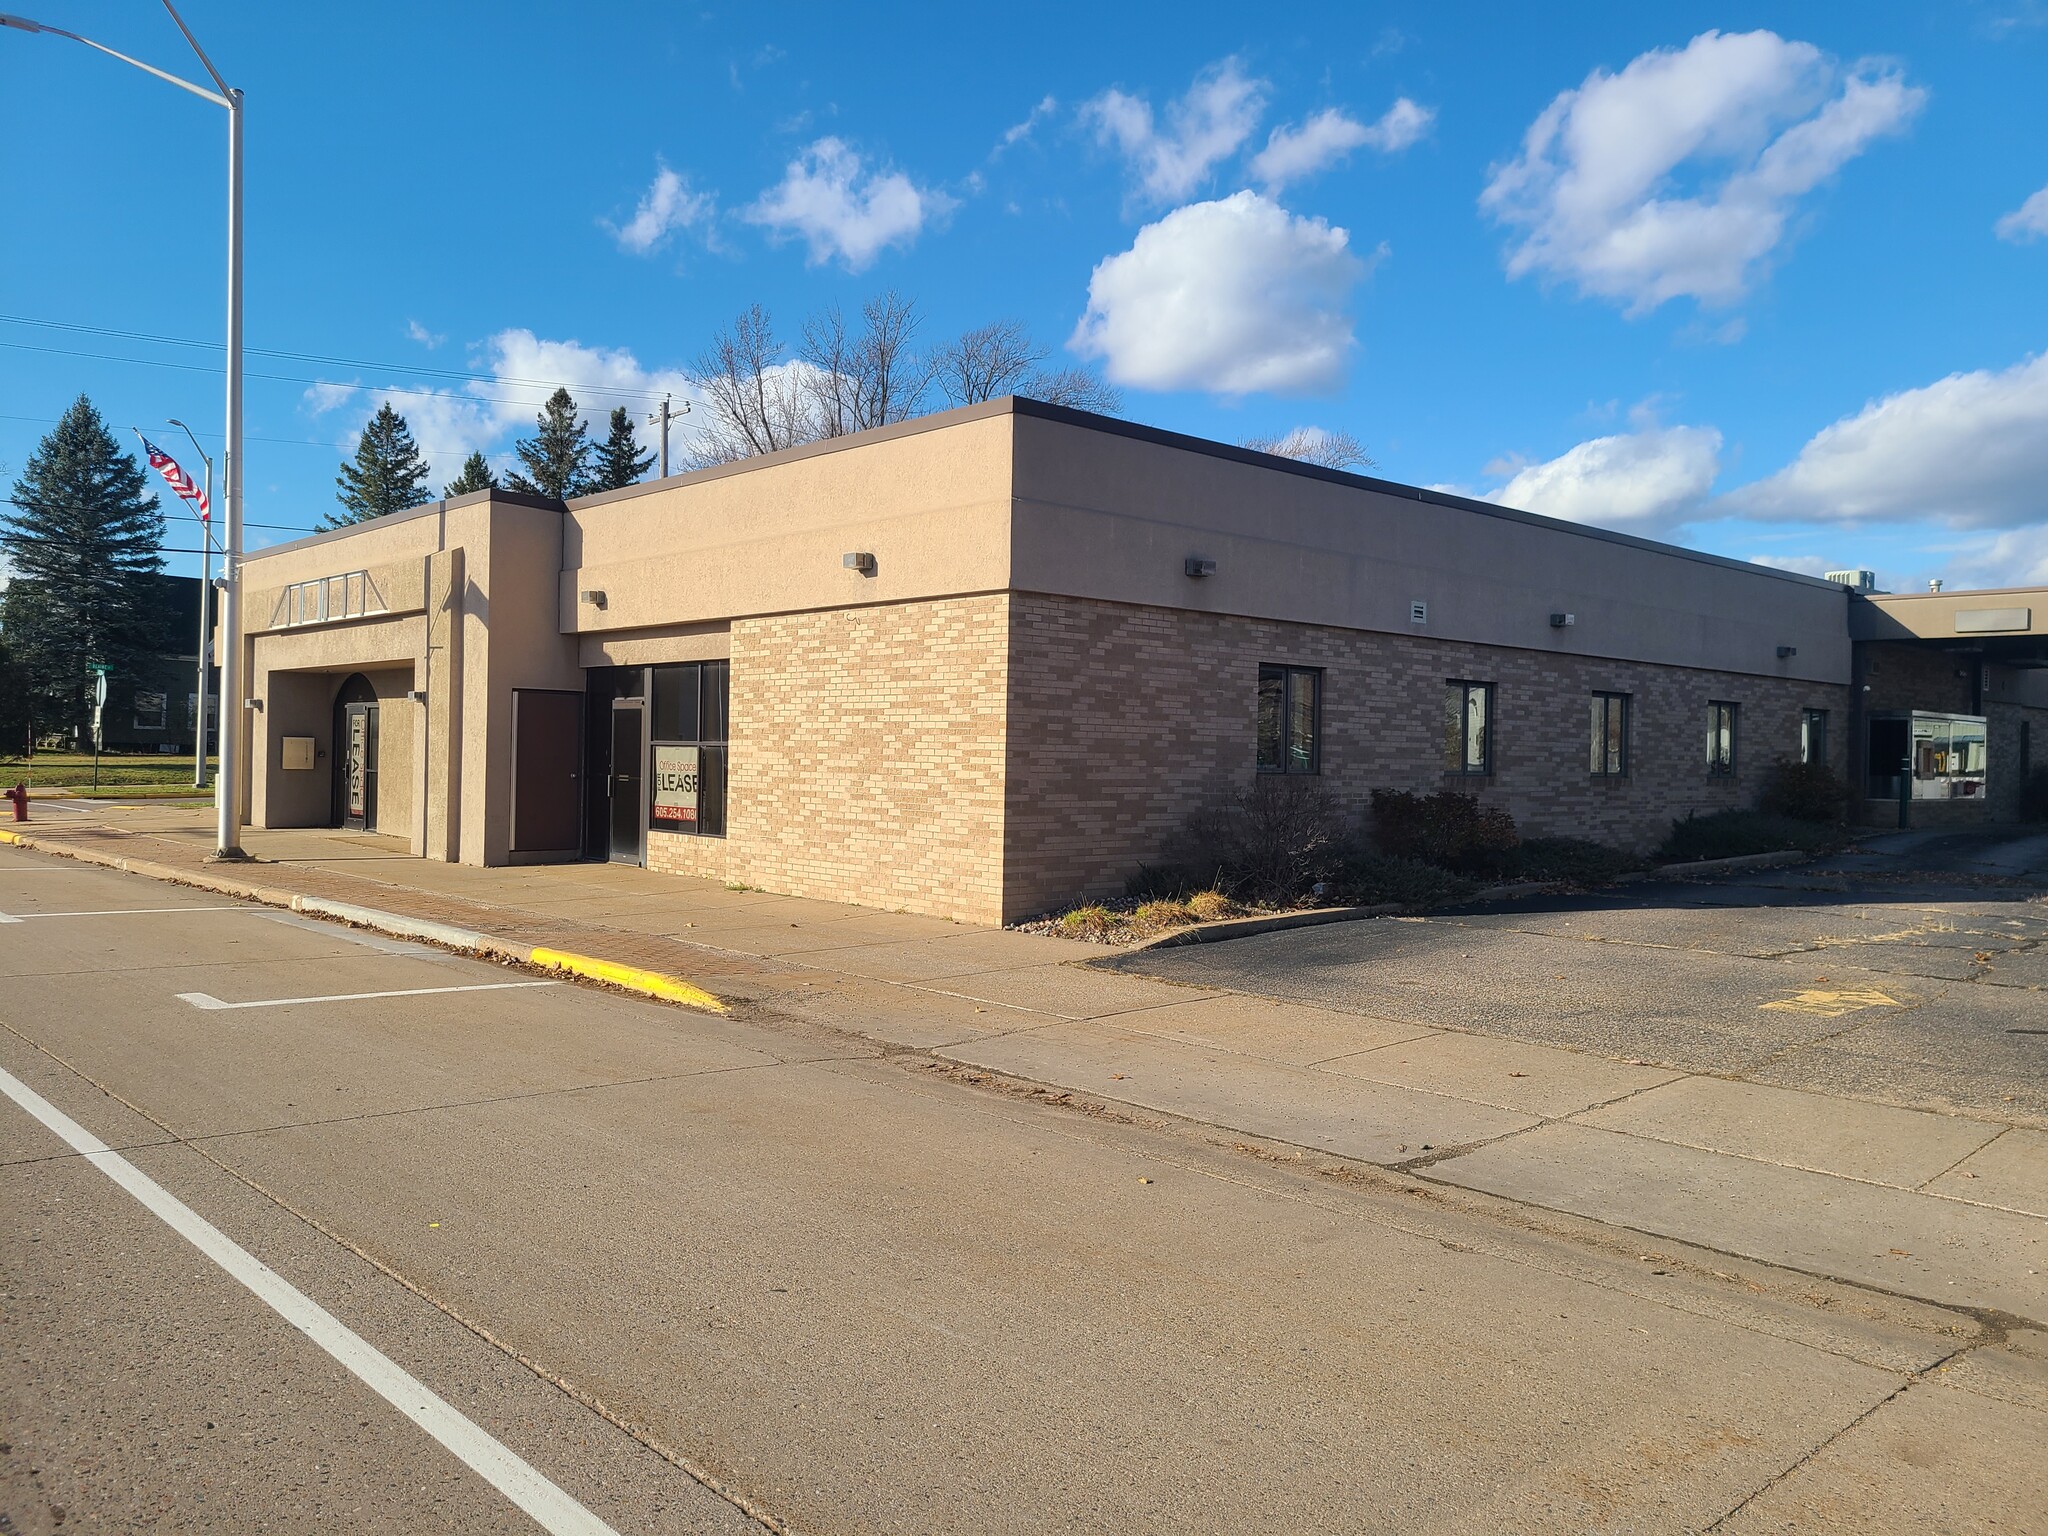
[{"x": 662, "y": 418}]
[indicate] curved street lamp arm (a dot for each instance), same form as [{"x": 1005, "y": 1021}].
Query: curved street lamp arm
[{"x": 23, "y": 24}]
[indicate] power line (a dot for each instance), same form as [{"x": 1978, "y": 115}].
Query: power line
[{"x": 308, "y": 357}]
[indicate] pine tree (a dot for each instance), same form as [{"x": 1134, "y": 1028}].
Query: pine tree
[
  {"x": 476, "y": 476},
  {"x": 557, "y": 457},
  {"x": 388, "y": 474},
  {"x": 83, "y": 539},
  {"x": 619, "y": 461}
]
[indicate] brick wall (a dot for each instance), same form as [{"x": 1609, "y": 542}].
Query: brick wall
[
  {"x": 1123, "y": 719},
  {"x": 866, "y": 759}
]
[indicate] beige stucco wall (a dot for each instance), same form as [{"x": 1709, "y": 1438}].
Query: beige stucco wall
[
  {"x": 867, "y": 759},
  {"x": 1125, "y": 719}
]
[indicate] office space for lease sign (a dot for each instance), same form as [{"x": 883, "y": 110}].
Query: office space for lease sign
[{"x": 675, "y": 786}]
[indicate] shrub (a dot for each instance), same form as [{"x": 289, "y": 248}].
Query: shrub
[
  {"x": 1728, "y": 834},
  {"x": 2034, "y": 795},
  {"x": 1154, "y": 915},
  {"x": 1448, "y": 829},
  {"x": 1208, "y": 906},
  {"x": 1268, "y": 844},
  {"x": 1803, "y": 791},
  {"x": 1087, "y": 923},
  {"x": 1572, "y": 859},
  {"x": 1371, "y": 880}
]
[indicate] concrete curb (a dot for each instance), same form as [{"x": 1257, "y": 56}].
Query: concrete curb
[
  {"x": 1246, "y": 927},
  {"x": 655, "y": 984},
  {"x": 1782, "y": 857}
]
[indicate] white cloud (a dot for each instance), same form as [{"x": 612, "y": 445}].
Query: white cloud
[
  {"x": 1017, "y": 132},
  {"x": 1230, "y": 296},
  {"x": 2029, "y": 221},
  {"x": 1970, "y": 450},
  {"x": 826, "y": 196},
  {"x": 1800, "y": 565},
  {"x": 324, "y": 397},
  {"x": 667, "y": 205},
  {"x": 1294, "y": 152},
  {"x": 2015, "y": 558},
  {"x": 1204, "y": 127},
  {"x": 1645, "y": 481},
  {"x": 414, "y": 331},
  {"x": 1594, "y": 195}
]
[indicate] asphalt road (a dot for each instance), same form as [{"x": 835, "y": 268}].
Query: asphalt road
[
  {"x": 1911, "y": 972},
  {"x": 696, "y": 1274}
]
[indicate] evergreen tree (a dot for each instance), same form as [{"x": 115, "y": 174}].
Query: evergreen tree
[
  {"x": 557, "y": 457},
  {"x": 476, "y": 476},
  {"x": 83, "y": 539},
  {"x": 619, "y": 461},
  {"x": 388, "y": 474}
]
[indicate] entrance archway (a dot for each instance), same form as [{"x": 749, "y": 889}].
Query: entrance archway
[{"x": 355, "y": 755}]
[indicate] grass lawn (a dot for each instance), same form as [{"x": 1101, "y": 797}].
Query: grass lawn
[{"x": 133, "y": 772}]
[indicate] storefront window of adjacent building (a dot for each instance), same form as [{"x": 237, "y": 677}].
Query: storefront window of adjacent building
[
  {"x": 1290, "y": 719},
  {"x": 1468, "y": 727},
  {"x": 687, "y": 748},
  {"x": 1610, "y": 735},
  {"x": 1813, "y": 736},
  {"x": 1721, "y": 739}
]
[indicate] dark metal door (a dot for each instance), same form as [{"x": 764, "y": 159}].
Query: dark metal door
[
  {"x": 627, "y": 803},
  {"x": 359, "y": 768},
  {"x": 547, "y": 773}
]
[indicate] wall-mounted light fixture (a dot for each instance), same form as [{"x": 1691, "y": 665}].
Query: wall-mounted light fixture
[
  {"x": 1197, "y": 567},
  {"x": 860, "y": 560},
  {"x": 1418, "y": 612},
  {"x": 416, "y": 695},
  {"x": 255, "y": 704},
  {"x": 594, "y": 598},
  {"x": 1787, "y": 652},
  {"x": 1563, "y": 620}
]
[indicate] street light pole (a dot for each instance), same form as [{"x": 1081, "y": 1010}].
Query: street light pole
[
  {"x": 205, "y": 630},
  {"x": 228, "y": 786}
]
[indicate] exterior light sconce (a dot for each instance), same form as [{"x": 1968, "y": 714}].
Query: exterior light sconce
[
  {"x": 1197, "y": 568},
  {"x": 861, "y": 561},
  {"x": 1418, "y": 612},
  {"x": 595, "y": 599},
  {"x": 1563, "y": 620},
  {"x": 416, "y": 695},
  {"x": 255, "y": 704},
  {"x": 1787, "y": 652}
]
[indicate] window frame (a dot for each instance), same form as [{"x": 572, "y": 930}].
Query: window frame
[
  {"x": 1609, "y": 703},
  {"x": 1289, "y": 675},
  {"x": 1459, "y": 755},
  {"x": 711, "y": 749},
  {"x": 1813, "y": 727},
  {"x": 162, "y": 722},
  {"x": 1724, "y": 729}
]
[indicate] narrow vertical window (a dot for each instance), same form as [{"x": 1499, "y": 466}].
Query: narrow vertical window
[
  {"x": 1813, "y": 736},
  {"x": 1610, "y": 735},
  {"x": 1290, "y": 719},
  {"x": 1721, "y": 739},
  {"x": 689, "y": 727},
  {"x": 1468, "y": 727}
]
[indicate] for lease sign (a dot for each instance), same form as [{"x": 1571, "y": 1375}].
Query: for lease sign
[{"x": 675, "y": 785}]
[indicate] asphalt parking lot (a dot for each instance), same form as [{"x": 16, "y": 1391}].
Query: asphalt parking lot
[{"x": 1911, "y": 970}]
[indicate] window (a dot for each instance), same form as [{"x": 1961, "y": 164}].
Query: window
[
  {"x": 1290, "y": 719},
  {"x": 1468, "y": 727},
  {"x": 1813, "y": 736},
  {"x": 1720, "y": 739},
  {"x": 687, "y": 725},
  {"x": 1610, "y": 735},
  {"x": 150, "y": 711}
]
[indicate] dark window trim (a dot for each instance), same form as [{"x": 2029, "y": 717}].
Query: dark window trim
[
  {"x": 723, "y": 745},
  {"x": 1290, "y": 673},
  {"x": 1717, "y": 766},
  {"x": 1461, "y": 767},
  {"x": 1626, "y": 702},
  {"x": 1807, "y": 721}
]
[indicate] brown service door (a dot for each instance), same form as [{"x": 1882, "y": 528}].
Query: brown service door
[{"x": 547, "y": 774}]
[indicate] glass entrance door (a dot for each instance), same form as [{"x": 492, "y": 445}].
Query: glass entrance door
[
  {"x": 359, "y": 768},
  {"x": 629, "y": 733}
]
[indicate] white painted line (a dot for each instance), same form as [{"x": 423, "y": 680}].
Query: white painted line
[
  {"x": 207, "y": 1000},
  {"x": 504, "y": 1469},
  {"x": 22, "y": 917},
  {"x": 375, "y": 941}
]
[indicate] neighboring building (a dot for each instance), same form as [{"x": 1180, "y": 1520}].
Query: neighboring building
[
  {"x": 155, "y": 706},
  {"x": 985, "y": 662}
]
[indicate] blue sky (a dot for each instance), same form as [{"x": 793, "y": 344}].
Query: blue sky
[{"x": 1764, "y": 280}]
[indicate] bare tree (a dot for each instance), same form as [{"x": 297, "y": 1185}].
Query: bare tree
[
  {"x": 1313, "y": 445},
  {"x": 1002, "y": 359},
  {"x": 870, "y": 377},
  {"x": 754, "y": 402}
]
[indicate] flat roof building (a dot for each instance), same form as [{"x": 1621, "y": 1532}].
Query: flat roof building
[{"x": 987, "y": 662}]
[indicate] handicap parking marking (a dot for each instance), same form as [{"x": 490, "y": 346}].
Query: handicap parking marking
[{"x": 207, "y": 1001}]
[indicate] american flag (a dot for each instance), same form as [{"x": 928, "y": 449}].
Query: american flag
[{"x": 178, "y": 480}]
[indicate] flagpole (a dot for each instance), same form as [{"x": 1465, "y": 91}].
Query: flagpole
[{"x": 205, "y": 593}]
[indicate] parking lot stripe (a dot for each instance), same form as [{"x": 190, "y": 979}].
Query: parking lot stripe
[
  {"x": 504, "y": 1469},
  {"x": 208, "y": 1000},
  {"x": 22, "y": 917}
]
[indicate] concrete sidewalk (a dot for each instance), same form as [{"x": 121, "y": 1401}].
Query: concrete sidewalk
[{"x": 1947, "y": 1208}]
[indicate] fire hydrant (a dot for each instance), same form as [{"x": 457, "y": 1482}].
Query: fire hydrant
[{"x": 19, "y": 796}]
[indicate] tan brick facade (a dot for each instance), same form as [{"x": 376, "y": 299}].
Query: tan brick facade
[
  {"x": 1123, "y": 719},
  {"x": 866, "y": 759}
]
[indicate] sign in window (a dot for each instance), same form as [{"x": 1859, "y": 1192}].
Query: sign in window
[{"x": 677, "y": 772}]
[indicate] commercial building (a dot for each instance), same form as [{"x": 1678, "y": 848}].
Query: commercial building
[{"x": 986, "y": 662}]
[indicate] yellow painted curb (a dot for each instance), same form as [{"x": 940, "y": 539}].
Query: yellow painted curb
[
  {"x": 672, "y": 989},
  {"x": 7, "y": 835}
]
